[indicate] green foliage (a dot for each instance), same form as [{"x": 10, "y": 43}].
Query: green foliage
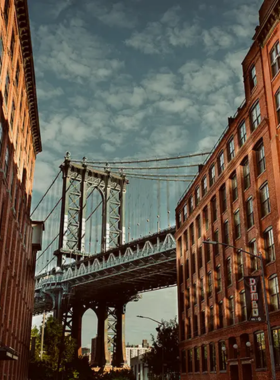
[
  {"x": 164, "y": 355},
  {"x": 122, "y": 374}
]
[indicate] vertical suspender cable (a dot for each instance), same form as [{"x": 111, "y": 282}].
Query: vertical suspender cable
[{"x": 90, "y": 224}]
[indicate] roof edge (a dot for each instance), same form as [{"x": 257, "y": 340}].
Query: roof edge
[{"x": 22, "y": 15}]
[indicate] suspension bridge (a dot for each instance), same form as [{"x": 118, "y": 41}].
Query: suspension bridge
[{"x": 109, "y": 235}]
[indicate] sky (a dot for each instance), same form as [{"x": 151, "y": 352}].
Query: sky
[{"x": 137, "y": 79}]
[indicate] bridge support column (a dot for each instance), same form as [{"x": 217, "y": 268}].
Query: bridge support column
[
  {"x": 76, "y": 332},
  {"x": 102, "y": 357},
  {"x": 58, "y": 312},
  {"x": 119, "y": 359}
]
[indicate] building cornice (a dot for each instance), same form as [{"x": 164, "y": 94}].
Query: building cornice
[
  {"x": 267, "y": 23},
  {"x": 22, "y": 15}
]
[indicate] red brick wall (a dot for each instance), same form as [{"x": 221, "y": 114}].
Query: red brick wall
[
  {"x": 267, "y": 131},
  {"x": 16, "y": 259}
]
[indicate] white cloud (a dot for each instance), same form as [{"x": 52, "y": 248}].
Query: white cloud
[{"x": 46, "y": 91}]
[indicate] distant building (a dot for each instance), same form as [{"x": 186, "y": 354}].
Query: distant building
[
  {"x": 139, "y": 369},
  {"x": 235, "y": 200},
  {"x": 20, "y": 142},
  {"x": 133, "y": 351}
]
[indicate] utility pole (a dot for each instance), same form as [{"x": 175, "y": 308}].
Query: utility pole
[{"x": 42, "y": 335}]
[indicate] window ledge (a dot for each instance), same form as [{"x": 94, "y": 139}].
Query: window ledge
[
  {"x": 259, "y": 175},
  {"x": 239, "y": 237},
  {"x": 241, "y": 279},
  {"x": 270, "y": 263},
  {"x": 249, "y": 229},
  {"x": 275, "y": 76},
  {"x": 266, "y": 215}
]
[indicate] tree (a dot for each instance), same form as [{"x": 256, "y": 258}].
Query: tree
[{"x": 164, "y": 355}]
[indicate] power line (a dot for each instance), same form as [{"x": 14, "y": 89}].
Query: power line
[{"x": 147, "y": 160}]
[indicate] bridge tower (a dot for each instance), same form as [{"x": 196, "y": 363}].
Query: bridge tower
[{"x": 79, "y": 182}]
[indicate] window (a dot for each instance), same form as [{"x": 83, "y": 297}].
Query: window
[
  {"x": 219, "y": 279},
  {"x": 234, "y": 187},
  {"x": 179, "y": 219},
  {"x": 277, "y": 102},
  {"x": 1, "y": 52},
  {"x": 199, "y": 257},
  {"x": 237, "y": 228},
  {"x": 202, "y": 290},
  {"x": 255, "y": 116},
  {"x": 221, "y": 163},
  {"x": 246, "y": 174},
  {"x": 274, "y": 292},
  {"x": 211, "y": 319},
  {"x": 269, "y": 245},
  {"x": 17, "y": 74},
  {"x": 185, "y": 213},
  {"x": 276, "y": 346},
  {"x": 186, "y": 237},
  {"x": 226, "y": 232},
  {"x": 194, "y": 294},
  {"x": 243, "y": 306},
  {"x": 275, "y": 59},
  {"x": 198, "y": 226},
  {"x": 207, "y": 252},
  {"x": 187, "y": 269},
  {"x": 210, "y": 284},
  {"x": 6, "y": 168},
  {"x": 193, "y": 263},
  {"x": 1, "y": 137},
  {"x": 223, "y": 195},
  {"x": 260, "y": 350},
  {"x": 230, "y": 149},
  {"x": 222, "y": 356},
  {"x": 188, "y": 298},
  {"x": 183, "y": 361},
  {"x": 12, "y": 46},
  {"x": 12, "y": 115},
  {"x": 250, "y": 213},
  {"x": 253, "y": 251},
  {"x": 197, "y": 359},
  {"x": 242, "y": 135},
  {"x": 260, "y": 159},
  {"x": 180, "y": 246},
  {"x": 253, "y": 78},
  {"x": 221, "y": 315},
  {"x": 212, "y": 175},
  {"x": 240, "y": 269},
  {"x": 216, "y": 246},
  {"x": 202, "y": 322},
  {"x": 192, "y": 233},
  {"x": 214, "y": 209},
  {"x": 190, "y": 369},
  {"x": 231, "y": 310},
  {"x": 265, "y": 202},
  {"x": 204, "y": 359},
  {"x": 7, "y": 85},
  {"x": 197, "y": 196},
  {"x": 189, "y": 328},
  {"x": 229, "y": 274},
  {"x": 195, "y": 325},
  {"x": 6, "y": 11},
  {"x": 212, "y": 357},
  {"x": 205, "y": 217},
  {"x": 204, "y": 185},
  {"x": 191, "y": 206}
]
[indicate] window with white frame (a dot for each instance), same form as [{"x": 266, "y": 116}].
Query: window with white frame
[
  {"x": 274, "y": 292},
  {"x": 269, "y": 245},
  {"x": 264, "y": 198},
  {"x": 221, "y": 163},
  {"x": 242, "y": 135},
  {"x": 253, "y": 77},
  {"x": 230, "y": 149},
  {"x": 255, "y": 116},
  {"x": 212, "y": 175},
  {"x": 275, "y": 59}
]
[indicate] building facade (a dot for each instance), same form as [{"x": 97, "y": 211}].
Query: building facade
[
  {"x": 20, "y": 142},
  {"x": 234, "y": 200},
  {"x": 139, "y": 368}
]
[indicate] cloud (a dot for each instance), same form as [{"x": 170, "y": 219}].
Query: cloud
[
  {"x": 160, "y": 36},
  {"x": 46, "y": 91},
  {"x": 113, "y": 15}
]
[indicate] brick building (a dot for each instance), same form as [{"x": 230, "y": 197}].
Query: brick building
[
  {"x": 20, "y": 142},
  {"x": 235, "y": 200}
]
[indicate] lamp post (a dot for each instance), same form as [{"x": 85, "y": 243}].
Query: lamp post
[
  {"x": 159, "y": 345},
  {"x": 269, "y": 333}
]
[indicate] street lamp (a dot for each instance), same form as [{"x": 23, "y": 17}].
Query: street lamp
[
  {"x": 159, "y": 345},
  {"x": 269, "y": 333}
]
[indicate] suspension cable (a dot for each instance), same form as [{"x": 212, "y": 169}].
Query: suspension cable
[
  {"x": 147, "y": 160},
  {"x": 160, "y": 175},
  {"x": 162, "y": 179},
  {"x": 46, "y": 193},
  {"x": 147, "y": 167}
]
